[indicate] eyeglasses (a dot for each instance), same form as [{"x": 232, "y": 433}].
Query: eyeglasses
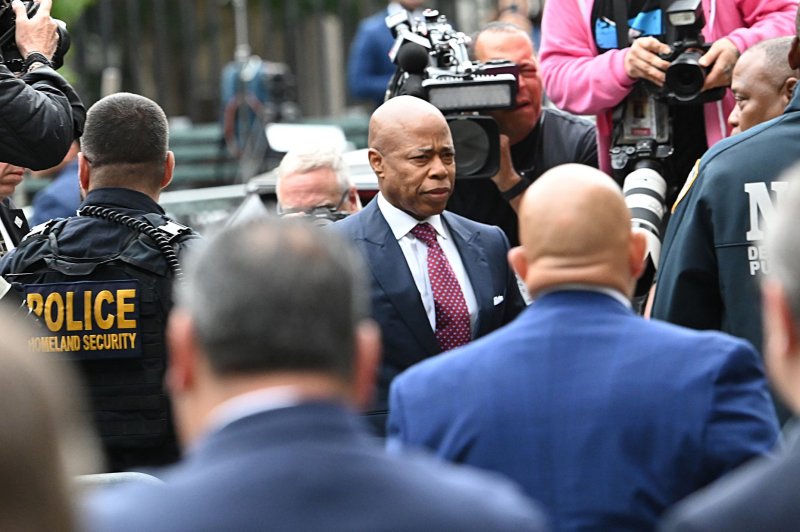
[{"x": 329, "y": 212}]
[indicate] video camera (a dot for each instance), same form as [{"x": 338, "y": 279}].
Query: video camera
[
  {"x": 433, "y": 64},
  {"x": 643, "y": 133},
  {"x": 8, "y": 45}
]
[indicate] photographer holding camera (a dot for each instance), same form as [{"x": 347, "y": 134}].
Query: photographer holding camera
[
  {"x": 587, "y": 71},
  {"x": 532, "y": 141},
  {"x": 40, "y": 113}
]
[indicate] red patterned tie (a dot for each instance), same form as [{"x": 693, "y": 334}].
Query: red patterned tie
[{"x": 452, "y": 316}]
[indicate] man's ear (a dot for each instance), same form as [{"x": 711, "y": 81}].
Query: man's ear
[
  {"x": 353, "y": 200},
  {"x": 83, "y": 173},
  {"x": 365, "y": 363},
  {"x": 787, "y": 90},
  {"x": 518, "y": 261},
  {"x": 376, "y": 162},
  {"x": 169, "y": 168},
  {"x": 637, "y": 248},
  {"x": 183, "y": 352},
  {"x": 794, "y": 54}
]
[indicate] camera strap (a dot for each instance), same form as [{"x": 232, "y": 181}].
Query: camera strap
[{"x": 621, "y": 21}]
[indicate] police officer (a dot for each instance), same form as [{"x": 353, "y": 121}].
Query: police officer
[
  {"x": 713, "y": 255},
  {"x": 100, "y": 282}
]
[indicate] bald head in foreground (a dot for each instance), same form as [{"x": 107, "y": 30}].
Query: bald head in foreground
[
  {"x": 576, "y": 228},
  {"x": 264, "y": 375},
  {"x": 603, "y": 417},
  {"x": 438, "y": 280}
]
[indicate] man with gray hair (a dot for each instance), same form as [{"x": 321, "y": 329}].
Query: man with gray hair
[
  {"x": 263, "y": 375},
  {"x": 313, "y": 181},
  {"x": 765, "y": 494}
]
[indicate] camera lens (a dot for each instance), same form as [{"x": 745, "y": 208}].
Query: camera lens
[
  {"x": 471, "y": 142},
  {"x": 645, "y": 195},
  {"x": 685, "y": 76}
]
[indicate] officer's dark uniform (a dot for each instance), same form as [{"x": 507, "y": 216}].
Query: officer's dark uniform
[
  {"x": 102, "y": 291},
  {"x": 558, "y": 138},
  {"x": 712, "y": 257}
]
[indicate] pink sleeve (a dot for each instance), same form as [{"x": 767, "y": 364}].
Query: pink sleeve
[
  {"x": 763, "y": 19},
  {"x": 575, "y": 78}
]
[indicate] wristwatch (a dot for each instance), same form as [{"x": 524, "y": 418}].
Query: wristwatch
[
  {"x": 517, "y": 189},
  {"x": 33, "y": 58}
]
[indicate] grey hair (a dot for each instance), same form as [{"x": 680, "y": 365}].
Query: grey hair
[
  {"x": 783, "y": 241},
  {"x": 275, "y": 295},
  {"x": 305, "y": 159}
]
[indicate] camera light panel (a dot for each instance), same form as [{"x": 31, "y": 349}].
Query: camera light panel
[{"x": 471, "y": 95}]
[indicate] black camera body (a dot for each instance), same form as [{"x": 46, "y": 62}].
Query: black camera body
[
  {"x": 433, "y": 63},
  {"x": 8, "y": 45},
  {"x": 685, "y": 75}
]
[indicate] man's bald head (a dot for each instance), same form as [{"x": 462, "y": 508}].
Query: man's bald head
[
  {"x": 411, "y": 151},
  {"x": 397, "y": 114},
  {"x": 576, "y": 228}
]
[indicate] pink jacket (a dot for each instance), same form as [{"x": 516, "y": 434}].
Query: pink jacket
[{"x": 578, "y": 80}]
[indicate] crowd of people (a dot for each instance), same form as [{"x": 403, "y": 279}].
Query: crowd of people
[{"x": 452, "y": 354}]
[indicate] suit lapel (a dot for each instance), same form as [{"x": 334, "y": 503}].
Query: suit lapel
[
  {"x": 476, "y": 264},
  {"x": 389, "y": 267}
]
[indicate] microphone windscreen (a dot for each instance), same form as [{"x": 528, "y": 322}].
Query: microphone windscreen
[{"x": 412, "y": 58}]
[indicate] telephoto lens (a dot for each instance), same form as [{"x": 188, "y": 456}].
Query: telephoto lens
[{"x": 645, "y": 195}]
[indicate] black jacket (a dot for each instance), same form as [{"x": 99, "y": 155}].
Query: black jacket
[{"x": 40, "y": 116}]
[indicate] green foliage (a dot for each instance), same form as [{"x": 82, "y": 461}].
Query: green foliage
[{"x": 70, "y": 10}]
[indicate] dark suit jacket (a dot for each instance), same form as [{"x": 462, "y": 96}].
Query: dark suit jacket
[
  {"x": 603, "y": 417},
  {"x": 309, "y": 468},
  {"x": 396, "y": 303},
  {"x": 763, "y": 495}
]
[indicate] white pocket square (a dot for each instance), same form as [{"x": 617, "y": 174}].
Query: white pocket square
[{"x": 498, "y": 300}]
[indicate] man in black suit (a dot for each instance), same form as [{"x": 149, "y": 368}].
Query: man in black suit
[
  {"x": 764, "y": 494},
  {"x": 411, "y": 151},
  {"x": 269, "y": 346}
]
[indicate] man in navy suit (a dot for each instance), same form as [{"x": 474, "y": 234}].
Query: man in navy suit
[
  {"x": 603, "y": 417},
  {"x": 411, "y": 152},
  {"x": 268, "y": 347},
  {"x": 764, "y": 494}
]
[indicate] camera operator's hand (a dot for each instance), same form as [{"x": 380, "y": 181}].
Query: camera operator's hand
[
  {"x": 642, "y": 60},
  {"x": 723, "y": 55},
  {"x": 37, "y": 34},
  {"x": 507, "y": 177}
]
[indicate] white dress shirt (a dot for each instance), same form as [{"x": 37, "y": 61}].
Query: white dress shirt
[{"x": 416, "y": 254}]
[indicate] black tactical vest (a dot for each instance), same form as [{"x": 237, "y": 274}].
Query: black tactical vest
[{"x": 108, "y": 314}]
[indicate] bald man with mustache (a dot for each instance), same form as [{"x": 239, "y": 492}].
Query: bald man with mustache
[
  {"x": 438, "y": 280},
  {"x": 605, "y": 418}
]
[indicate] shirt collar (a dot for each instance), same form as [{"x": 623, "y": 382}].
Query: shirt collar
[
  {"x": 251, "y": 403},
  {"x": 401, "y": 222},
  {"x": 610, "y": 292}
]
